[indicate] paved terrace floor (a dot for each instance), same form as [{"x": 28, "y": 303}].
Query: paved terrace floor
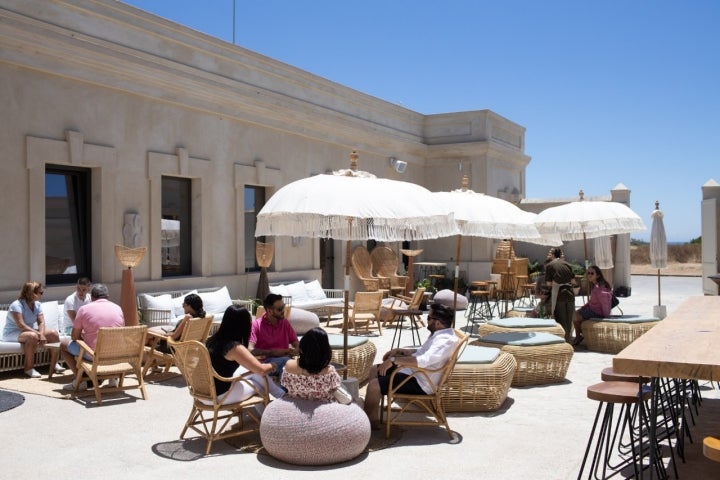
[{"x": 540, "y": 433}]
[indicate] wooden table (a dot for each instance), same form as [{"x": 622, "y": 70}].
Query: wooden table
[{"x": 685, "y": 345}]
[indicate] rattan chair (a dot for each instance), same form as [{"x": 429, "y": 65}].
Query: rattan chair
[
  {"x": 385, "y": 266},
  {"x": 366, "y": 309},
  {"x": 195, "y": 329},
  {"x": 362, "y": 266},
  {"x": 209, "y": 417},
  {"x": 118, "y": 352},
  {"x": 412, "y": 308},
  {"x": 403, "y": 409}
]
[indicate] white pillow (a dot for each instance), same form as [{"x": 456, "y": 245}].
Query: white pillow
[
  {"x": 315, "y": 291},
  {"x": 50, "y": 312},
  {"x": 161, "y": 302},
  {"x": 280, "y": 290},
  {"x": 176, "y": 304},
  {"x": 298, "y": 293},
  {"x": 217, "y": 301}
]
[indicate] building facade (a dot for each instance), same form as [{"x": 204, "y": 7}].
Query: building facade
[{"x": 120, "y": 127}]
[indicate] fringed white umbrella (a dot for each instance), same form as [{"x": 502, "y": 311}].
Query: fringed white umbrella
[
  {"x": 603, "y": 252},
  {"x": 480, "y": 215},
  {"x": 585, "y": 219},
  {"x": 658, "y": 249},
  {"x": 353, "y": 205}
]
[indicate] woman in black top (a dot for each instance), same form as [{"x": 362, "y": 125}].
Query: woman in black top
[{"x": 231, "y": 358}]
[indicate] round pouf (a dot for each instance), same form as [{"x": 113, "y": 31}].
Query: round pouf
[
  {"x": 445, "y": 297},
  {"x": 303, "y": 321},
  {"x": 309, "y": 432}
]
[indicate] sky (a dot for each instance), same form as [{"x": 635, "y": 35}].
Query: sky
[{"x": 610, "y": 92}]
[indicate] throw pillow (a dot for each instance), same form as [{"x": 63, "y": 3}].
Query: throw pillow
[
  {"x": 315, "y": 291},
  {"x": 50, "y": 312},
  {"x": 298, "y": 293},
  {"x": 161, "y": 302},
  {"x": 217, "y": 301},
  {"x": 280, "y": 290}
]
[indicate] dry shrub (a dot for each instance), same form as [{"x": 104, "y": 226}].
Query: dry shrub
[{"x": 686, "y": 253}]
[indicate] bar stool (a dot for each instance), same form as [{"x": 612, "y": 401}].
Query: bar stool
[{"x": 609, "y": 438}]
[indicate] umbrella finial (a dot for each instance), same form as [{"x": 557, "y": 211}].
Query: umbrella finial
[
  {"x": 657, "y": 205},
  {"x": 465, "y": 183},
  {"x": 353, "y": 160},
  {"x": 581, "y": 194}
]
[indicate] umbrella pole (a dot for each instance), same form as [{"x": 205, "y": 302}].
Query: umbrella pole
[
  {"x": 346, "y": 301},
  {"x": 659, "y": 302},
  {"x": 457, "y": 274}
]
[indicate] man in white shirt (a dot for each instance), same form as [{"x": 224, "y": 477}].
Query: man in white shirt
[
  {"x": 433, "y": 354},
  {"x": 73, "y": 303}
]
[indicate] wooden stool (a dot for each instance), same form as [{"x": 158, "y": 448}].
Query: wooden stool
[
  {"x": 609, "y": 375},
  {"x": 611, "y": 435},
  {"x": 711, "y": 448}
]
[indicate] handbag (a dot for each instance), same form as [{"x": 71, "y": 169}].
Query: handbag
[
  {"x": 343, "y": 396},
  {"x": 614, "y": 302}
]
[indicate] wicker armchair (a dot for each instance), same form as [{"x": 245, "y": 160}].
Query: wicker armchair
[
  {"x": 118, "y": 352},
  {"x": 195, "y": 329},
  {"x": 362, "y": 266},
  {"x": 210, "y": 417},
  {"x": 366, "y": 308},
  {"x": 385, "y": 265},
  {"x": 430, "y": 405}
]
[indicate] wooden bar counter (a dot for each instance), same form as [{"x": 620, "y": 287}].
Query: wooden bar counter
[{"x": 684, "y": 345}]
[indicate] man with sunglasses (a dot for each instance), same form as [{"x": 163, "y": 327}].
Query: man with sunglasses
[
  {"x": 271, "y": 336},
  {"x": 433, "y": 354}
]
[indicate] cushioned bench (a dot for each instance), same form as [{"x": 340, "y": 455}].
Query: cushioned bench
[
  {"x": 11, "y": 353},
  {"x": 521, "y": 324},
  {"x": 541, "y": 357},
  {"x": 361, "y": 355},
  {"x": 480, "y": 380},
  {"x": 612, "y": 334},
  {"x": 308, "y": 295}
]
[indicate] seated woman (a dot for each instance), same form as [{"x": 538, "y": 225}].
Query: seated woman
[
  {"x": 544, "y": 303},
  {"x": 311, "y": 376},
  {"x": 599, "y": 304},
  {"x": 231, "y": 358},
  {"x": 193, "y": 308},
  {"x": 26, "y": 324}
]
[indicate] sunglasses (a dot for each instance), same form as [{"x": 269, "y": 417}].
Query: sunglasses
[
  {"x": 280, "y": 308},
  {"x": 40, "y": 292}
]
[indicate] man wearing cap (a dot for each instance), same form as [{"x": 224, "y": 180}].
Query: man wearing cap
[{"x": 90, "y": 318}]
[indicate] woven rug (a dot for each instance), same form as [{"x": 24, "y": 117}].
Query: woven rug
[
  {"x": 18, "y": 382},
  {"x": 10, "y": 400},
  {"x": 250, "y": 443}
]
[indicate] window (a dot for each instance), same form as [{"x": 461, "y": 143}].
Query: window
[
  {"x": 67, "y": 224},
  {"x": 254, "y": 201},
  {"x": 176, "y": 226}
]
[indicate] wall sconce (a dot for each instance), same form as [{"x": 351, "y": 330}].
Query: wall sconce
[
  {"x": 515, "y": 196},
  {"x": 398, "y": 165},
  {"x": 296, "y": 241}
]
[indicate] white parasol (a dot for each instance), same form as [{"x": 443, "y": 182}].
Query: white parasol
[
  {"x": 480, "y": 215},
  {"x": 352, "y": 205},
  {"x": 585, "y": 219},
  {"x": 658, "y": 244}
]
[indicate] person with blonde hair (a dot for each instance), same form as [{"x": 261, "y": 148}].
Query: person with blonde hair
[{"x": 26, "y": 324}]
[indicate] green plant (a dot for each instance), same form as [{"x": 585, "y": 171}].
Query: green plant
[
  {"x": 577, "y": 268},
  {"x": 426, "y": 283}
]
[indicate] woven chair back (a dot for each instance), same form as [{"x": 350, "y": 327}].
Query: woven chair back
[
  {"x": 384, "y": 261},
  {"x": 368, "y": 302},
  {"x": 417, "y": 299},
  {"x": 193, "y": 361},
  {"x": 197, "y": 329},
  {"x": 457, "y": 351},
  {"x": 120, "y": 345},
  {"x": 361, "y": 262}
]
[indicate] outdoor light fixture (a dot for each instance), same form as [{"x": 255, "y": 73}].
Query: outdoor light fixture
[{"x": 398, "y": 165}]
